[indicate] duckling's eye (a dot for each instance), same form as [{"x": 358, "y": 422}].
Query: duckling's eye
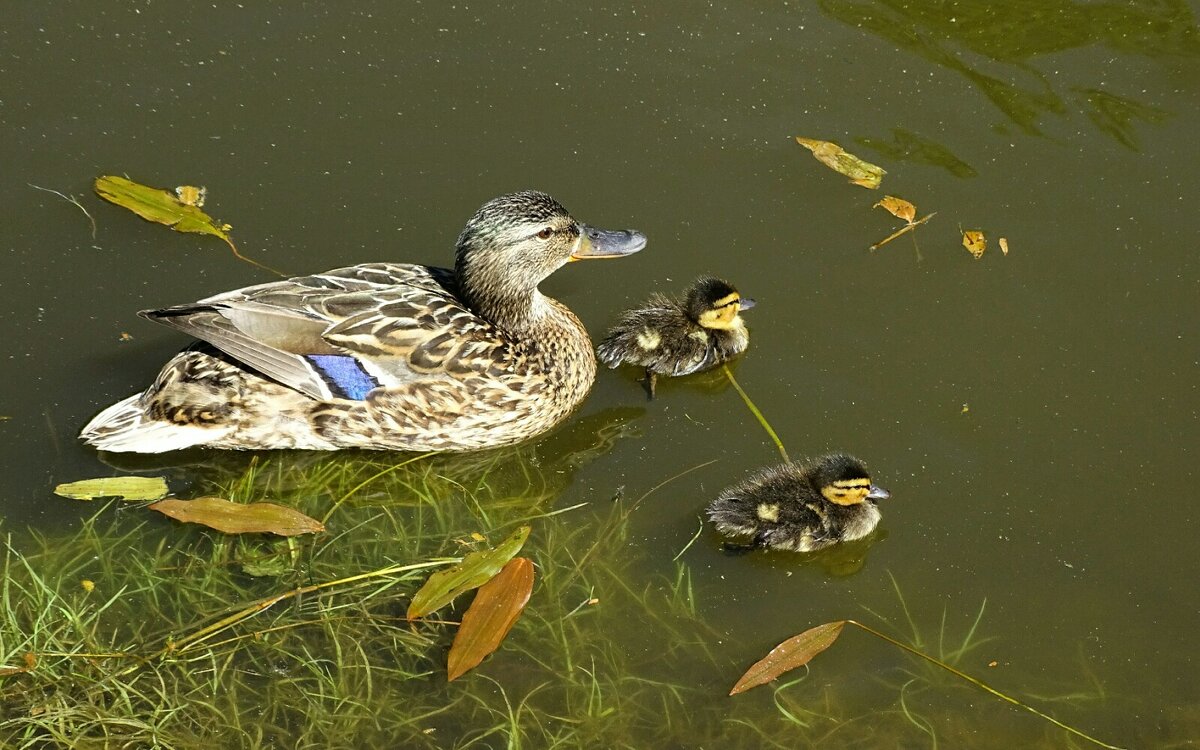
[{"x": 545, "y": 233}]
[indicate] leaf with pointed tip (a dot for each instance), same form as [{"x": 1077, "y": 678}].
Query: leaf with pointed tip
[
  {"x": 240, "y": 518},
  {"x": 475, "y": 570},
  {"x": 497, "y": 605},
  {"x": 975, "y": 242},
  {"x": 159, "y": 206},
  {"x": 898, "y": 207},
  {"x": 132, "y": 489},
  {"x": 794, "y": 652}
]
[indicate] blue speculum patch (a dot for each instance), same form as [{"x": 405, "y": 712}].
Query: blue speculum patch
[{"x": 344, "y": 375}]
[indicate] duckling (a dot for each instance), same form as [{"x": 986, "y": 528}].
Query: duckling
[
  {"x": 680, "y": 337},
  {"x": 801, "y": 506},
  {"x": 383, "y": 356}
]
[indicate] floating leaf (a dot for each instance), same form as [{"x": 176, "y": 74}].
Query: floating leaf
[
  {"x": 794, "y": 652},
  {"x": 831, "y": 155},
  {"x": 475, "y": 570},
  {"x": 497, "y": 605},
  {"x": 164, "y": 207},
  {"x": 240, "y": 518},
  {"x": 1004, "y": 245},
  {"x": 134, "y": 489},
  {"x": 898, "y": 207},
  {"x": 975, "y": 242}
]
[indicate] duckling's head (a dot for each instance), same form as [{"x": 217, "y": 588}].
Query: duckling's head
[
  {"x": 515, "y": 241},
  {"x": 714, "y": 303},
  {"x": 843, "y": 480}
]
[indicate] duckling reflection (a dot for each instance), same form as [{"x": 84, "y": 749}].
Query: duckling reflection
[
  {"x": 679, "y": 337},
  {"x": 801, "y": 507}
]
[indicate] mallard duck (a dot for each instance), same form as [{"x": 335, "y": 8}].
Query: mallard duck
[
  {"x": 382, "y": 355},
  {"x": 678, "y": 337},
  {"x": 801, "y": 506}
]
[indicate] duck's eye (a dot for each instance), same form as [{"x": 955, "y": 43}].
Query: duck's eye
[{"x": 545, "y": 233}]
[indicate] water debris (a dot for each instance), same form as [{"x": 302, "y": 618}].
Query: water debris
[
  {"x": 910, "y": 226},
  {"x": 169, "y": 209},
  {"x": 792, "y": 653},
  {"x": 475, "y": 570},
  {"x": 898, "y": 207},
  {"x": 833, "y": 156},
  {"x": 1004, "y": 245},
  {"x": 492, "y": 614},
  {"x": 240, "y": 518},
  {"x": 69, "y": 199},
  {"x": 974, "y": 241},
  {"x": 132, "y": 489}
]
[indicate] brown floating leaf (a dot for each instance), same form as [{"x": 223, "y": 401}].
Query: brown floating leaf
[
  {"x": 1004, "y": 245},
  {"x": 475, "y": 570},
  {"x": 831, "y": 155},
  {"x": 794, "y": 652},
  {"x": 898, "y": 207},
  {"x": 497, "y": 605},
  {"x": 240, "y": 518},
  {"x": 975, "y": 242},
  {"x": 125, "y": 488},
  {"x": 30, "y": 663}
]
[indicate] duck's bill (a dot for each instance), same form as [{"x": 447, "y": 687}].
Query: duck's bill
[
  {"x": 878, "y": 493},
  {"x": 745, "y": 303},
  {"x": 606, "y": 243}
]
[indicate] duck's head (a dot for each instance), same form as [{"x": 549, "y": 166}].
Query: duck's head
[
  {"x": 843, "y": 480},
  {"x": 714, "y": 303},
  {"x": 515, "y": 241}
]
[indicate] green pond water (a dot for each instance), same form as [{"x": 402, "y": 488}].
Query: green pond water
[{"x": 1033, "y": 414}]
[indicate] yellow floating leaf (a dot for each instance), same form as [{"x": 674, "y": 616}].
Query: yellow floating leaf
[
  {"x": 179, "y": 211},
  {"x": 831, "y": 155},
  {"x": 497, "y": 605},
  {"x": 975, "y": 242},
  {"x": 134, "y": 489},
  {"x": 240, "y": 518},
  {"x": 1004, "y": 245},
  {"x": 475, "y": 570},
  {"x": 898, "y": 207},
  {"x": 794, "y": 652}
]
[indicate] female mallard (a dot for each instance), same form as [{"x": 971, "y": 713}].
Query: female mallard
[
  {"x": 801, "y": 507},
  {"x": 383, "y": 355},
  {"x": 679, "y": 337}
]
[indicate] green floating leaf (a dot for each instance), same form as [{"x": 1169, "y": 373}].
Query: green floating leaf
[
  {"x": 831, "y": 155},
  {"x": 123, "y": 488},
  {"x": 495, "y": 610},
  {"x": 240, "y": 518},
  {"x": 475, "y": 570},
  {"x": 159, "y": 206},
  {"x": 794, "y": 652}
]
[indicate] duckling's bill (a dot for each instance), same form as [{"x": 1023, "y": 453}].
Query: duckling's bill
[{"x": 606, "y": 243}]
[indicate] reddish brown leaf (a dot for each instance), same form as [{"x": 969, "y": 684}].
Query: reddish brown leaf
[
  {"x": 794, "y": 652},
  {"x": 240, "y": 518},
  {"x": 898, "y": 207},
  {"x": 497, "y": 605}
]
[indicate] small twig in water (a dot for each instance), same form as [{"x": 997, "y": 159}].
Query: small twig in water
[{"x": 69, "y": 199}]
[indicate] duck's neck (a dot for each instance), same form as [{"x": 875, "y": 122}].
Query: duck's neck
[{"x": 510, "y": 303}]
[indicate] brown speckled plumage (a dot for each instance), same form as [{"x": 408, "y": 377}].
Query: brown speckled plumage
[{"x": 382, "y": 355}]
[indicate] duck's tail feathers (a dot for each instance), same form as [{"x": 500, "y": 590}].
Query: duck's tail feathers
[{"x": 124, "y": 427}]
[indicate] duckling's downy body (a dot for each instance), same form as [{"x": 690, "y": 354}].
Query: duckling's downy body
[
  {"x": 680, "y": 337},
  {"x": 382, "y": 355},
  {"x": 801, "y": 507}
]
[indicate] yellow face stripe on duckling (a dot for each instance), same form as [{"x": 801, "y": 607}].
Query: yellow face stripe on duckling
[
  {"x": 847, "y": 491},
  {"x": 724, "y": 312},
  {"x": 767, "y": 512}
]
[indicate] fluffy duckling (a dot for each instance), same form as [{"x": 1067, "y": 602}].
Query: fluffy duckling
[
  {"x": 679, "y": 337},
  {"x": 801, "y": 507}
]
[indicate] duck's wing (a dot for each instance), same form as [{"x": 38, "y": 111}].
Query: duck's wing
[{"x": 346, "y": 332}]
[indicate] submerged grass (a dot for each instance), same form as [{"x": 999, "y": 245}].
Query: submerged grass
[{"x": 148, "y": 633}]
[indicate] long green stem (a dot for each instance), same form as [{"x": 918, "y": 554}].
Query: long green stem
[
  {"x": 983, "y": 686},
  {"x": 757, "y": 414}
]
